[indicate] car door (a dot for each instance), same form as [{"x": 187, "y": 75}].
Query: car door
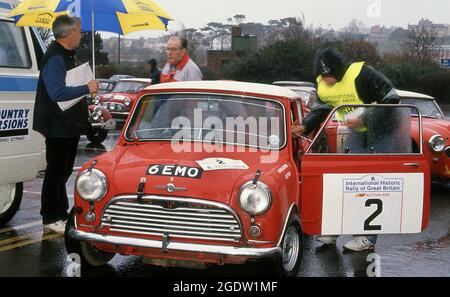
[
  {"x": 21, "y": 148},
  {"x": 378, "y": 183}
]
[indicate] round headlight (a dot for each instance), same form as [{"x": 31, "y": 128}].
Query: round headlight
[
  {"x": 96, "y": 100},
  {"x": 437, "y": 143},
  {"x": 112, "y": 107},
  {"x": 127, "y": 101},
  {"x": 92, "y": 186},
  {"x": 255, "y": 199},
  {"x": 96, "y": 116}
]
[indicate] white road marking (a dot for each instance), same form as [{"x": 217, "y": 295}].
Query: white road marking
[{"x": 21, "y": 227}]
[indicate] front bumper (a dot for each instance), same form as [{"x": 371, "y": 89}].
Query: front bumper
[
  {"x": 176, "y": 246},
  {"x": 108, "y": 125}
]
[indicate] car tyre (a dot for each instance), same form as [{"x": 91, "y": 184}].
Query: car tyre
[
  {"x": 288, "y": 263},
  {"x": 13, "y": 193},
  {"x": 96, "y": 136},
  {"x": 88, "y": 253}
]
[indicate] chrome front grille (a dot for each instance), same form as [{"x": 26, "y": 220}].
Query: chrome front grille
[{"x": 176, "y": 217}]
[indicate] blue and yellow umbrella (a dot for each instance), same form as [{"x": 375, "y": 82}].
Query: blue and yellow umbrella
[{"x": 116, "y": 16}]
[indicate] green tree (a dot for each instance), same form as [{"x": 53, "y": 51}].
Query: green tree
[
  {"x": 281, "y": 60},
  {"x": 84, "y": 52},
  {"x": 423, "y": 77},
  {"x": 288, "y": 55},
  {"x": 360, "y": 50}
]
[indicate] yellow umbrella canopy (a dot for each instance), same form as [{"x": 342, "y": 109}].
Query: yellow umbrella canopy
[{"x": 118, "y": 16}]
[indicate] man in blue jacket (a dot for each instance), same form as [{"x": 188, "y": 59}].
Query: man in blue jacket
[{"x": 61, "y": 129}]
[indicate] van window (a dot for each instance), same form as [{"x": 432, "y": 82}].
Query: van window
[
  {"x": 38, "y": 50},
  {"x": 13, "y": 46}
]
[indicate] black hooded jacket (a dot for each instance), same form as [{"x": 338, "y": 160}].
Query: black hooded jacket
[{"x": 371, "y": 85}]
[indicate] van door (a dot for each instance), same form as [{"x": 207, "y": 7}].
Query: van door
[
  {"x": 376, "y": 182},
  {"x": 21, "y": 148}
]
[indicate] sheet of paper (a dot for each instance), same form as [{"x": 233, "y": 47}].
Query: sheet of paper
[{"x": 76, "y": 77}]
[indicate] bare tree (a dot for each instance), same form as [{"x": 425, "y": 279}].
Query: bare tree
[
  {"x": 423, "y": 39},
  {"x": 218, "y": 31},
  {"x": 195, "y": 49},
  {"x": 353, "y": 30},
  {"x": 239, "y": 19},
  {"x": 289, "y": 29}
]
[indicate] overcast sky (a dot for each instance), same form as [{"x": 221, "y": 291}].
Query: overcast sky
[{"x": 337, "y": 13}]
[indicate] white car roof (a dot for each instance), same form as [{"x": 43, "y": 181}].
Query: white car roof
[
  {"x": 402, "y": 94},
  {"x": 289, "y": 83},
  {"x": 228, "y": 86},
  {"x": 304, "y": 89},
  {"x": 143, "y": 80}
]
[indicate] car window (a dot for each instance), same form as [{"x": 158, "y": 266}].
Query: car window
[
  {"x": 13, "y": 46},
  {"x": 129, "y": 87},
  {"x": 104, "y": 85},
  {"x": 375, "y": 129},
  {"x": 428, "y": 108},
  {"x": 208, "y": 118}
]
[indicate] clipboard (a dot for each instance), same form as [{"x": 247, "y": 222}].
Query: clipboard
[{"x": 76, "y": 77}]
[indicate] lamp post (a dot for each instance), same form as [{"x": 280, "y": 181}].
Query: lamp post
[{"x": 118, "y": 54}]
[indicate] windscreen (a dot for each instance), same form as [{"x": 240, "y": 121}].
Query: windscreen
[
  {"x": 209, "y": 118},
  {"x": 129, "y": 87}
]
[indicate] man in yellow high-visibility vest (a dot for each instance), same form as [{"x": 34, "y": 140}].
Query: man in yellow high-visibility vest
[{"x": 340, "y": 82}]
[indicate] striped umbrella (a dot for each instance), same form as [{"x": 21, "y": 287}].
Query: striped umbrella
[{"x": 117, "y": 16}]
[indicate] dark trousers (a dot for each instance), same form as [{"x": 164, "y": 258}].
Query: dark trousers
[{"x": 60, "y": 157}]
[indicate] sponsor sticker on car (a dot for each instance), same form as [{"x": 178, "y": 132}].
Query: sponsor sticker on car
[{"x": 222, "y": 164}]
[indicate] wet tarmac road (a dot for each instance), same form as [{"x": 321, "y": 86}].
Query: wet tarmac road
[{"x": 25, "y": 251}]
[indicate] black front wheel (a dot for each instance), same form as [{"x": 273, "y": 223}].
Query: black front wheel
[
  {"x": 88, "y": 253},
  {"x": 291, "y": 246},
  {"x": 96, "y": 136},
  {"x": 288, "y": 263},
  {"x": 10, "y": 199}
]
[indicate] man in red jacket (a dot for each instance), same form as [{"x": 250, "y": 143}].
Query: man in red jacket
[{"x": 179, "y": 66}]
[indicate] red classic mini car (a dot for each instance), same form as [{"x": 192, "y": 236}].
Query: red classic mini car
[
  {"x": 101, "y": 122},
  {"x": 209, "y": 172},
  {"x": 121, "y": 99}
]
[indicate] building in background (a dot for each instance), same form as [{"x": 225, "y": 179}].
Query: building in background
[
  {"x": 241, "y": 44},
  {"x": 379, "y": 34},
  {"x": 442, "y": 30}
]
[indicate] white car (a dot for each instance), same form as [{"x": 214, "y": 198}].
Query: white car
[{"x": 22, "y": 150}]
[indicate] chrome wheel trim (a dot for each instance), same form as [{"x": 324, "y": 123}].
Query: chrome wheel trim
[
  {"x": 7, "y": 195},
  {"x": 291, "y": 248}
]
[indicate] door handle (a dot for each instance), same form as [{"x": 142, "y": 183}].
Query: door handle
[{"x": 415, "y": 165}]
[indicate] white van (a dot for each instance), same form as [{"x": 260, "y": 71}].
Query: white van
[{"x": 22, "y": 150}]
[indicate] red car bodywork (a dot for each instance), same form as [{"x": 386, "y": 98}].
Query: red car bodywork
[
  {"x": 439, "y": 162},
  {"x": 295, "y": 180},
  {"x": 117, "y": 99}
]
